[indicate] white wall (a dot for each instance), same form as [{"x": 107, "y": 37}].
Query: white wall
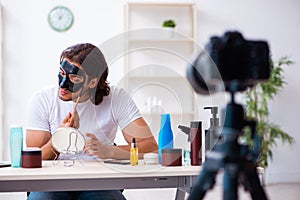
[
  {"x": 285, "y": 109},
  {"x": 31, "y": 52},
  {"x": 276, "y": 22}
]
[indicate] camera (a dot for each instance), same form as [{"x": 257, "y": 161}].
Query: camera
[{"x": 229, "y": 63}]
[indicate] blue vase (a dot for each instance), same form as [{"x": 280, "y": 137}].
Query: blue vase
[{"x": 165, "y": 136}]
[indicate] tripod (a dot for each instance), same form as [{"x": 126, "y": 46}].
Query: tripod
[{"x": 236, "y": 160}]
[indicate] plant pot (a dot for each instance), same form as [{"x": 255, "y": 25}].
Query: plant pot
[{"x": 169, "y": 32}]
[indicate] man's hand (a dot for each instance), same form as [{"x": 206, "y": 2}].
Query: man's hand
[
  {"x": 71, "y": 120},
  {"x": 95, "y": 148}
]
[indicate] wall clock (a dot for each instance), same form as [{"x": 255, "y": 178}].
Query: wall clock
[{"x": 60, "y": 18}]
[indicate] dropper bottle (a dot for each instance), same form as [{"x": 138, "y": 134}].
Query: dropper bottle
[{"x": 134, "y": 153}]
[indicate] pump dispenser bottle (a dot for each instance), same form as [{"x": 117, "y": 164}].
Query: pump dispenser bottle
[
  {"x": 212, "y": 134},
  {"x": 195, "y": 137}
]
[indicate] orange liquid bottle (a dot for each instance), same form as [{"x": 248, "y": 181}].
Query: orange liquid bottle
[{"x": 134, "y": 153}]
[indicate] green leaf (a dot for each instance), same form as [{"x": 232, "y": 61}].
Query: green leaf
[
  {"x": 169, "y": 23},
  {"x": 257, "y": 100}
]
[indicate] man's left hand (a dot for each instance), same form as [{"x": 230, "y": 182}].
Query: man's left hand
[{"x": 95, "y": 148}]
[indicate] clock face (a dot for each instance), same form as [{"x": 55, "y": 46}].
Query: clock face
[{"x": 60, "y": 18}]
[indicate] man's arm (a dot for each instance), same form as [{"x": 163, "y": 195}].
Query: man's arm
[
  {"x": 137, "y": 129},
  {"x": 41, "y": 139}
]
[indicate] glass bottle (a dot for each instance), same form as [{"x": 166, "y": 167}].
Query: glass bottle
[{"x": 134, "y": 153}]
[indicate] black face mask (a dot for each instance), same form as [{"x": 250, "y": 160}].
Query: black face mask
[{"x": 65, "y": 82}]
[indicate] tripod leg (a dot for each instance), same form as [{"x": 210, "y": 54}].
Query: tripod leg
[
  {"x": 254, "y": 186},
  {"x": 230, "y": 182},
  {"x": 205, "y": 181}
]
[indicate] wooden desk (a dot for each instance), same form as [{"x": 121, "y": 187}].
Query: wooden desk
[{"x": 97, "y": 176}]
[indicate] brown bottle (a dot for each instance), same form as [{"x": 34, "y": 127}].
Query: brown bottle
[{"x": 196, "y": 142}]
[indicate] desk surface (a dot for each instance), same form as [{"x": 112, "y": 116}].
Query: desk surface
[
  {"x": 94, "y": 175},
  {"x": 93, "y": 169}
]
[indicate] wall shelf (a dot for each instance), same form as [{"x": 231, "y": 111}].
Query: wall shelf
[{"x": 150, "y": 40}]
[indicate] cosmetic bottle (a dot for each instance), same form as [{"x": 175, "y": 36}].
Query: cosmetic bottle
[
  {"x": 16, "y": 145},
  {"x": 134, "y": 153},
  {"x": 187, "y": 148},
  {"x": 212, "y": 134},
  {"x": 196, "y": 142},
  {"x": 165, "y": 136},
  {"x": 193, "y": 155}
]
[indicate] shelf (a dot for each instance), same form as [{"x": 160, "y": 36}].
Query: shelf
[
  {"x": 157, "y": 59},
  {"x": 152, "y": 15},
  {"x": 150, "y": 40},
  {"x": 164, "y": 54},
  {"x": 138, "y": 4},
  {"x": 155, "y": 72},
  {"x": 152, "y": 77},
  {"x": 157, "y": 114},
  {"x": 158, "y": 34}
]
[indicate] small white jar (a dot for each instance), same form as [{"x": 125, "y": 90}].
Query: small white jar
[{"x": 151, "y": 159}]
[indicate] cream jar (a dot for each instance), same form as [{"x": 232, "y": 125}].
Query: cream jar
[
  {"x": 150, "y": 159},
  {"x": 32, "y": 158}
]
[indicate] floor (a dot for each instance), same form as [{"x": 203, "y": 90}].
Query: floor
[
  {"x": 273, "y": 191},
  {"x": 289, "y": 191}
]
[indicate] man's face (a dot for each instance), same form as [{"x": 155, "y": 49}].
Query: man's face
[{"x": 70, "y": 79}]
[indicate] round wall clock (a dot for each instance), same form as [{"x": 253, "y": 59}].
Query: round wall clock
[{"x": 60, "y": 18}]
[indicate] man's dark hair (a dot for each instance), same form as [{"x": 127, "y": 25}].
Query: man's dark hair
[{"x": 93, "y": 63}]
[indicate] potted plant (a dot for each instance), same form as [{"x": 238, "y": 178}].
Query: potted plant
[
  {"x": 256, "y": 108},
  {"x": 170, "y": 25}
]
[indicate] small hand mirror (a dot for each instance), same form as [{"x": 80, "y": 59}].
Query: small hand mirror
[{"x": 68, "y": 140}]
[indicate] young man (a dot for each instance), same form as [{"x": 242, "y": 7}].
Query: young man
[{"x": 101, "y": 110}]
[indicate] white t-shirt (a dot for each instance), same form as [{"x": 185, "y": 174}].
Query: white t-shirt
[{"x": 47, "y": 111}]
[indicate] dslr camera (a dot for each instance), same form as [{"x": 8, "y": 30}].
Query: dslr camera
[{"x": 229, "y": 63}]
